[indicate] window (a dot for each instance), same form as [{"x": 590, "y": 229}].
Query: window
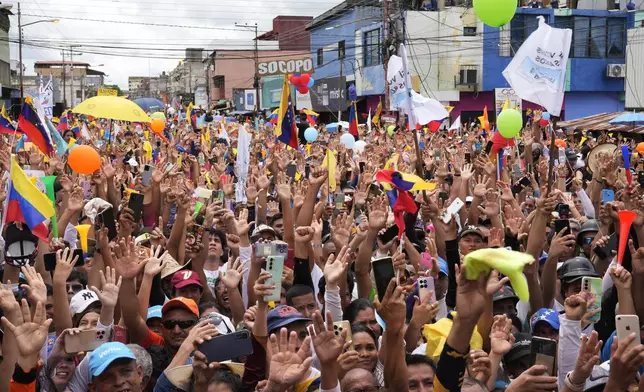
[
  {"x": 79, "y": 94},
  {"x": 469, "y": 31},
  {"x": 320, "y": 57},
  {"x": 218, "y": 82},
  {"x": 596, "y": 37},
  {"x": 521, "y": 26},
  {"x": 371, "y": 48},
  {"x": 341, "y": 50}
]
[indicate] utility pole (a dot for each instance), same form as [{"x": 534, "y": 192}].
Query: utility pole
[
  {"x": 385, "y": 31},
  {"x": 256, "y": 60},
  {"x": 64, "y": 81},
  {"x": 341, "y": 90},
  {"x": 22, "y": 88},
  {"x": 71, "y": 67}
]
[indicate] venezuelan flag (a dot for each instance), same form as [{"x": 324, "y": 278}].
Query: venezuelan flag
[
  {"x": 403, "y": 181},
  {"x": 274, "y": 116},
  {"x": 30, "y": 123},
  {"x": 6, "y": 127},
  {"x": 63, "y": 124},
  {"x": 286, "y": 128},
  {"x": 353, "y": 120},
  {"x": 76, "y": 129},
  {"x": 311, "y": 116},
  {"x": 26, "y": 203}
]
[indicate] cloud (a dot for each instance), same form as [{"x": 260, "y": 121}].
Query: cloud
[{"x": 96, "y": 38}]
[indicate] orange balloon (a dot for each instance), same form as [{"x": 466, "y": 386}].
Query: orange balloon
[
  {"x": 560, "y": 143},
  {"x": 640, "y": 148},
  {"x": 158, "y": 125},
  {"x": 84, "y": 160}
]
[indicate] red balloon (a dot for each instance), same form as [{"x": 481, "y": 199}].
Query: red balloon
[
  {"x": 304, "y": 79},
  {"x": 543, "y": 122},
  {"x": 303, "y": 89},
  {"x": 296, "y": 80},
  {"x": 290, "y": 78}
]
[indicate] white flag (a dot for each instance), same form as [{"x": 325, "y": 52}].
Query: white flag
[
  {"x": 456, "y": 125},
  {"x": 224, "y": 134},
  {"x": 369, "y": 122},
  {"x": 426, "y": 109},
  {"x": 537, "y": 73},
  {"x": 85, "y": 132},
  {"x": 241, "y": 166}
]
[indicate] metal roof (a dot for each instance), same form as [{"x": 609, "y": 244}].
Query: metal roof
[{"x": 599, "y": 122}]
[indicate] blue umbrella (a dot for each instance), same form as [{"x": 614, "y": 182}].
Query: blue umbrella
[
  {"x": 631, "y": 119},
  {"x": 150, "y": 104}
]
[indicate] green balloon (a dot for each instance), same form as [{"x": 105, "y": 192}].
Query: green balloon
[
  {"x": 495, "y": 13},
  {"x": 390, "y": 130},
  {"x": 509, "y": 123}
]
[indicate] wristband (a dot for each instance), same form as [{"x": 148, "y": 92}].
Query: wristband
[{"x": 574, "y": 387}]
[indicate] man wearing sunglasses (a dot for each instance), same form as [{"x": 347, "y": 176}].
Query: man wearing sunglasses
[{"x": 178, "y": 316}]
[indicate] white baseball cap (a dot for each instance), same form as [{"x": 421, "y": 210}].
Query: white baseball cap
[{"x": 82, "y": 300}]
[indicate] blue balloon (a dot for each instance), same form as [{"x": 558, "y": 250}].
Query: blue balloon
[
  {"x": 311, "y": 82},
  {"x": 311, "y": 134},
  {"x": 348, "y": 140},
  {"x": 545, "y": 116}
]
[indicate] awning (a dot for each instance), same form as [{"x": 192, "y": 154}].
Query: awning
[{"x": 600, "y": 122}]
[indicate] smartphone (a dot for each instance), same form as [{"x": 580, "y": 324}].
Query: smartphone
[
  {"x": 468, "y": 157},
  {"x": 425, "y": 285},
  {"x": 625, "y": 325},
  {"x": 640, "y": 177},
  {"x": 516, "y": 169},
  {"x": 263, "y": 249},
  {"x": 564, "y": 211},
  {"x": 608, "y": 195},
  {"x": 362, "y": 165},
  {"x": 147, "y": 175},
  {"x": 106, "y": 219},
  {"x": 383, "y": 272},
  {"x": 227, "y": 347},
  {"x": 561, "y": 224},
  {"x": 307, "y": 171},
  {"x": 340, "y": 326},
  {"x": 452, "y": 210},
  {"x": 443, "y": 196},
  {"x": 389, "y": 234},
  {"x": 87, "y": 340},
  {"x": 594, "y": 287},
  {"x": 158, "y": 143},
  {"x": 544, "y": 352},
  {"x": 374, "y": 190},
  {"x": 338, "y": 199},
  {"x": 488, "y": 147},
  {"x": 437, "y": 155},
  {"x": 290, "y": 170},
  {"x": 606, "y": 251},
  {"x": 136, "y": 205},
  {"x": 274, "y": 265},
  {"x": 50, "y": 259}
]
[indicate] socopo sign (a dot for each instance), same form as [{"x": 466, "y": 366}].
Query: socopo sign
[{"x": 281, "y": 67}]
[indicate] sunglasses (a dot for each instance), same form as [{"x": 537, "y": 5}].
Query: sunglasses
[
  {"x": 76, "y": 287},
  {"x": 183, "y": 324}
]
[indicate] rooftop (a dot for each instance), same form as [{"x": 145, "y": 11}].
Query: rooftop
[
  {"x": 45, "y": 63},
  {"x": 599, "y": 122}
]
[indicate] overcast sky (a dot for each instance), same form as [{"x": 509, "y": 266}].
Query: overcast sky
[{"x": 216, "y": 20}]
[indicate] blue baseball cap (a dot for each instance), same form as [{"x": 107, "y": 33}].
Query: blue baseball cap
[
  {"x": 101, "y": 358},
  {"x": 442, "y": 266},
  {"x": 282, "y": 316},
  {"x": 550, "y": 316},
  {"x": 154, "y": 312}
]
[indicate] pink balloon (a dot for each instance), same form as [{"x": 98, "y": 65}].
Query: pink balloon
[{"x": 303, "y": 89}]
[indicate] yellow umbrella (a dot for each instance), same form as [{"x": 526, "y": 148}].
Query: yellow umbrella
[
  {"x": 158, "y": 115},
  {"x": 114, "y": 108}
]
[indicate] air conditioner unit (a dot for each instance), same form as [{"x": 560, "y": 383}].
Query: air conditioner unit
[{"x": 616, "y": 70}]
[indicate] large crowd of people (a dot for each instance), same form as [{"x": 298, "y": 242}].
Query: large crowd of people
[{"x": 172, "y": 270}]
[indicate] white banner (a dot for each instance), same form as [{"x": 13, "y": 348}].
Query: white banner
[
  {"x": 397, "y": 84},
  {"x": 46, "y": 96},
  {"x": 507, "y": 93},
  {"x": 537, "y": 73},
  {"x": 243, "y": 160}
]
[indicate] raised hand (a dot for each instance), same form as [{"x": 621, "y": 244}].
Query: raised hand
[
  {"x": 155, "y": 263},
  {"x": 242, "y": 224},
  {"x": 30, "y": 333},
  {"x": 587, "y": 358},
  {"x": 36, "y": 289},
  {"x": 378, "y": 213},
  {"x": 392, "y": 308},
  {"x": 336, "y": 268},
  {"x": 233, "y": 274},
  {"x": 532, "y": 380},
  {"x": 625, "y": 362},
  {"x": 261, "y": 289},
  {"x": 203, "y": 371},
  {"x": 110, "y": 286},
  {"x": 304, "y": 234},
  {"x": 65, "y": 262},
  {"x": 562, "y": 244},
  {"x": 286, "y": 366},
  {"x": 326, "y": 344},
  {"x": 318, "y": 176},
  {"x": 127, "y": 263},
  {"x": 622, "y": 279},
  {"x": 501, "y": 337},
  {"x": 575, "y": 307},
  {"x": 470, "y": 295}
]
